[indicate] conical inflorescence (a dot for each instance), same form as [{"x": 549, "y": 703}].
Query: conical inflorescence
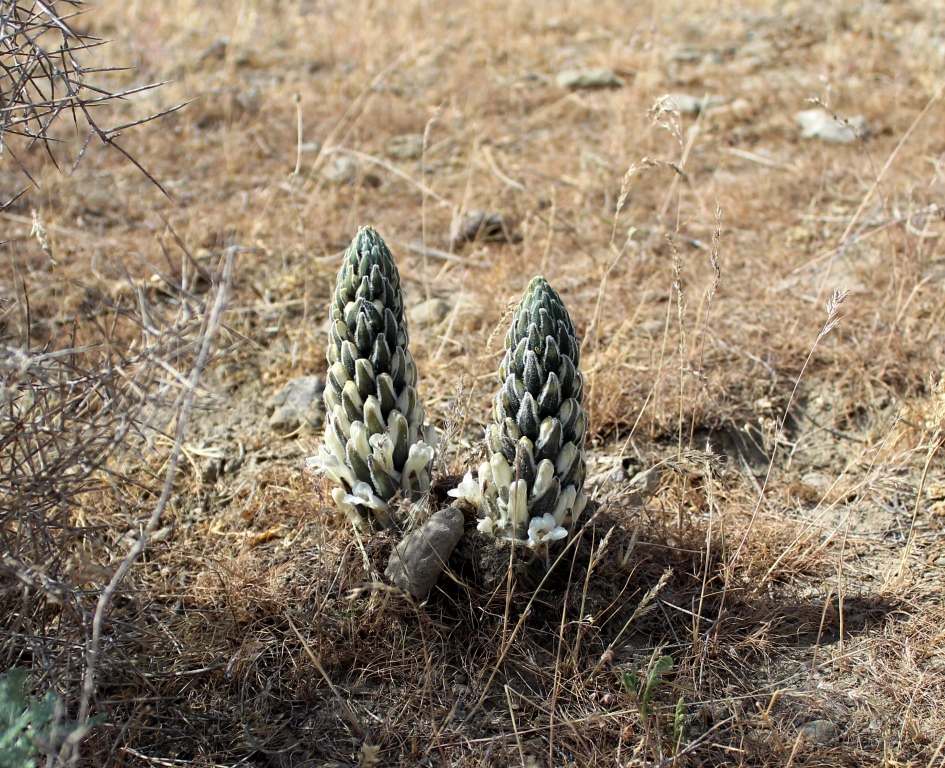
[
  {"x": 531, "y": 487},
  {"x": 376, "y": 444}
]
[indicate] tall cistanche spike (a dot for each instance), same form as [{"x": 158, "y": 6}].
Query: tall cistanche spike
[
  {"x": 376, "y": 444},
  {"x": 531, "y": 487}
]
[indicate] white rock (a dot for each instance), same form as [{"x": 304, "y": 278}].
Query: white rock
[
  {"x": 298, "y": 402},
  {"x": 820, "y": 124},
  {"x": 408, "y": 147},
  {"x": 343, "y": 169}
]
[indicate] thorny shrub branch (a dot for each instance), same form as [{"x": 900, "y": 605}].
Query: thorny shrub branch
[{"x": 42, "y": 80}]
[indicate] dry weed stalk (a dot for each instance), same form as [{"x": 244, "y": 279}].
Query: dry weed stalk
[{"x": 74, "y": 423}]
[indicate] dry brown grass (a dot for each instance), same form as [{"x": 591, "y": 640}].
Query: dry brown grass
[{"x": 252, "y": 631}]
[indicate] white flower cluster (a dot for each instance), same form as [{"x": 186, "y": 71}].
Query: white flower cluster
[
  {"x": 503, "y": 503},
  {"x": 375, "y": 450}
]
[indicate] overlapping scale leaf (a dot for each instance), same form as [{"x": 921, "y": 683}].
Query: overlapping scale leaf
[
  {"x": 531, "y": 487},
  {"x": 376, "y": 444}
]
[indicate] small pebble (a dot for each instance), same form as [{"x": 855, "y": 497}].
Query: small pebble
[
  {"x": 692, "y": 105},
  {"x": 590, "y": 77},
  {"x": 820, "y": 124},
  {"x": 480, "y": 225},
  {"x": 298, "y": 402},
  {"x": 408, "y": 147},
  {"x": 819, "y": 732},
  {"x": 429, "y": 312}
]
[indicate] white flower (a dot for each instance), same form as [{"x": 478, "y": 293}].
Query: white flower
[
  {"x": 565, "y": 503},
  {"x": 543, "y": 530},
  {"x": 486, "y": 525},
  {"x": 383, "y": 449},
  {"x": 501, "y": 471},
  {"x": 329, "y": 464},
  {"x": 518, "y": 503},
  {"x": 543, "y": 478},
  {"x": 363, "y": 495},
  {"x": 468, "y": 489},
  {"x": 419, "y": 458}
]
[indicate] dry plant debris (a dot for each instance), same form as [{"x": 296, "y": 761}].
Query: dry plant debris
[{"x": 759, "y": 579}]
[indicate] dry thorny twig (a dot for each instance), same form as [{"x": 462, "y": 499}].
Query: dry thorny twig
[{"x": 43, "y": 80}]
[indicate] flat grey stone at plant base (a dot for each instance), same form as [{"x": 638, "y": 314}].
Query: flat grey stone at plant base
[
  {"x": 408, "y": 147},
  {"x": 429, "y": 312},
  {"x": 819, "y": 732},
  {"x": 693, "y": 105},
  {"x": 590, "y": 77},
  {"x": 298, "y": 402},
  {"x": 416, "y": 563},
  {"x": 820, "y": 124},
  {"x": 481, "y": 225}
]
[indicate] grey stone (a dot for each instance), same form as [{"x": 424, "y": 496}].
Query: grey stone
[
  {"x": 643, "y": 485},
  {"x": 416, "y": 563},
  {"x": 819, "y": 732},
  {"x": 686, "y": 53},
  {"x": 298, "y": 402},
  {"x": 343, "y": 169},
  {"x": 819, "y": 482},
  {"x": 760, "y": 736},
  {"x": 481, "y": 225},
  {"x": 429, "y": 312},
  {"x": 820, "y": 124},
  {"x": 408, "y": 147},
  {"x": 590, "y": 77},
  {"x": 692, "y": 105}
]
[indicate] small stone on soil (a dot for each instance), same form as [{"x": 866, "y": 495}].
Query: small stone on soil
[
  {"x": 481, "y": 225},
  {"x": 820, "y": 124},
  {"x": 429, "y": 312},
  {"x": 591, "y": 77},
  {"x": 343, "y": 169},
  {"x": 692, "y": 105},
  {"x": 298, "y": 402},
  {"x": 408, "y": 147},
  {"x": 819, "y": 732},
  {"x": 416, "y": 563}
]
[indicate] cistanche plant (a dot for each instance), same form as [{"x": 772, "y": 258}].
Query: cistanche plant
[
  {"x": 530, "y": 489},
  {"x": 376, "y": 445}
]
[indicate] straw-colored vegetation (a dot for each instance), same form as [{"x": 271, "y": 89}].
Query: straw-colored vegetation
[{"x": 757, "y": 578}]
